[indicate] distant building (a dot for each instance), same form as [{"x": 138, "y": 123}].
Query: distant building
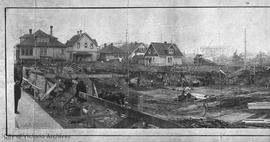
[
  {"x": 110, "y": 52},
  {"x": 40, "y": 45},
  {"x": 81, "y": 47},
  {"x": 133, "y": 49},
  {"x": 199, "y": 60},
  {"x": 163, "y": 54}
]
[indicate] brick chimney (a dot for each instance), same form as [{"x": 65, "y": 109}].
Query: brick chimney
[
  {"x": 51, "y": 30},
  {"x": 80, "y": 32},
  {"x": 30, "y": 31}
]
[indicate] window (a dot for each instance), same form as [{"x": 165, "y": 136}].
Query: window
[
  {"x": 85, "y": 45},
  {"x": 169, "y": 60},
  {"x": 171, "y": 51},
  {"x": 26, "y": 51},
  {"x": 62, "y": 51},
  {"x": 78, "y": 45},
  {"x": 39, "y": 39},
  {"x": 31, "y": 51},
  {"x": 153, "y": 59},
  {"x": 22, "y": 52},
  {"x": 91, "y": 45},
  {"x": 43, "y": 51}
]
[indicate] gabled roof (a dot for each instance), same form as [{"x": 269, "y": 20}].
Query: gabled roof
[
  {"x": 110, "y": 49},
  {"x": 77, "y": 37},
  {"x": 162, "y": 48},
  {"x": 130, "y": 47},
  {"x": 30, "y": 40}
]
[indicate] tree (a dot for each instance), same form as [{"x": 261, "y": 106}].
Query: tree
[{"x": 237, "y": 58}]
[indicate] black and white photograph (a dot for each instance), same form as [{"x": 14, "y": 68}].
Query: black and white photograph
[{"x": 134, "y": 67}]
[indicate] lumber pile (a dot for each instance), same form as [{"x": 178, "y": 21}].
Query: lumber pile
[{"x": 257, "y": 121}]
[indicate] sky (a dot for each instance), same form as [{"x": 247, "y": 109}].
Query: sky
[{"x": 189, "y": 28}]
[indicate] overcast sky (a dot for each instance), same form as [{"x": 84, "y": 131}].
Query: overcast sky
[{"x": 188, "y": 28}]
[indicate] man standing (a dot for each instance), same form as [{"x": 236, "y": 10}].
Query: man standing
[
  {"x": 17, "y": 86},
  {"x": 81, "y": 87}
]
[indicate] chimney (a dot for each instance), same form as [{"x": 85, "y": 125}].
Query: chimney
[
  {"x": 165, "y": 41},
  {"x": 51, "y": 27},
  {"x": 78, "y": 32},
  {"x": 30, "y": 31},
  {"x": 105, "y": 44},
  {"x": 111, "y": 44}
]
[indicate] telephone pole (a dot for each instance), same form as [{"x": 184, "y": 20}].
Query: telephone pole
[{"x": 245, "y": 48}]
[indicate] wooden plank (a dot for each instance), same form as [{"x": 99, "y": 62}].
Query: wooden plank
[
  {"x": 264, "y": 121},
  {"x": 26, "y": 80},
  {"x": 48, "y": 92},
  {"x": 199, "y": 96}
]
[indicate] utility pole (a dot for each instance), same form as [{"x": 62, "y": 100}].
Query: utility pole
[{"x": 245, "y": 48}]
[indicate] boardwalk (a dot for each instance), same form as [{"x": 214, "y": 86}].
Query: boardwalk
[{"x": 32, "y": 116}]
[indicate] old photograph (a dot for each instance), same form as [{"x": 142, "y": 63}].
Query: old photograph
[{"x": 140, "y": 68}]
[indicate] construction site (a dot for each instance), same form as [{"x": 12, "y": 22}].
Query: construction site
[{"x": 126, "y": 95}]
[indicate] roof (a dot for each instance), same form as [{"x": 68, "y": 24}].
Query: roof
[
  {"x": 76, "y": 37},
  {"x": 30, "y": 40},
  {"x": 162, "y": 48},
  {"x": 110, "y": 49},
  {"x": 130, "y": 47}
]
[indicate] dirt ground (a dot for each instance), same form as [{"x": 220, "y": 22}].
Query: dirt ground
[{"x": 228, "y": 104}]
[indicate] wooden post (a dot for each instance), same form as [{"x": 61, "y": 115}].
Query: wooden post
[
  {"x": 140, "y": 103},
  {"x": 46, "y": 84}
]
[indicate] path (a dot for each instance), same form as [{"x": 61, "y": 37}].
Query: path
[{"x": 32, "y": 116}]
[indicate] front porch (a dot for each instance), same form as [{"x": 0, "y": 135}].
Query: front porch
[{"x": 82, "y": 57}]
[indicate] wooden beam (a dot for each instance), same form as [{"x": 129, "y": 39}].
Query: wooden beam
[
  {"x": 48, "y": 92},
  {"x": 26, "y": 80},
  {"x": 264, "y": 121}
]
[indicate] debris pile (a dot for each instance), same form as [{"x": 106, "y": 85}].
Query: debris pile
[{"x": 206, "y": 123}]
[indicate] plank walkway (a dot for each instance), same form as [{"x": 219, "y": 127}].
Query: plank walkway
[{"x": 32, "y": 116}]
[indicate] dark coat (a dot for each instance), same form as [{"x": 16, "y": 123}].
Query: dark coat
[
  {"x": 81, "y": 87},
  {"x": 18, "y": 81}
]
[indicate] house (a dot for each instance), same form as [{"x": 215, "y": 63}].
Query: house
[
  {"x": 110, "y": 52},
  {"x": 81, "y": 47},
  {"x": 163, "y": 54},
  {"x": 133, "y": 49},
  {"x": 39, "y": 45},
  {"x": 199, "y": 60}
]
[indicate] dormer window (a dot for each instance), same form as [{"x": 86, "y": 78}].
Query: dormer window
[
  {"x": 85, "y": 45},
  {"x": 171, "y": 51},
  {"x": 40, "y": 39}
]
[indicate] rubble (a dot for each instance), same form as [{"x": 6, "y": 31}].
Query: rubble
[{"x": 159, "y": 87}]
